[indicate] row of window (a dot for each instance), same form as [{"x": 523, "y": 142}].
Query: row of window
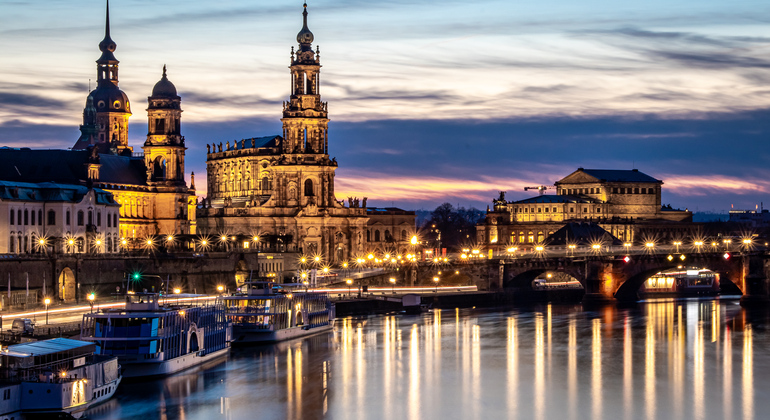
[
  {"x": 547, "y": 209},
  {"x": 19, "y": 243},
  {"x": 615, "y": 190},
  {"x": 27, "y": 217},
  {"x": 387, "y": 237}
]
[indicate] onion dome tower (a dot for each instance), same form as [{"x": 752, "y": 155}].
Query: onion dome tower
[
  {"x": 164, "y": 149},
  {"x": 112, "y": 106},
  {"x": 305, "y": 117}
]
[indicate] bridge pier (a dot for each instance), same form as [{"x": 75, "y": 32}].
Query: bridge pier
[
  {"x": 755, "y": 292},
  {"x": 593, "y": 286}
]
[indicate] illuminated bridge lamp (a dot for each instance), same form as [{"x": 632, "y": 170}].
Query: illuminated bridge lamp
[
  {"x": 413, "y": 241},
  {"x": 317, "y": 258},
  {"x": 392, "y": 281},
  {"x": 169, "y": 238},
  {"x": 370, "y": 257},
  {"x": 596, "y": 247},
  {"x": 177, "y": 290},
  {"x": 435, "y": 280},
  {"x": 539, "y": 248},
  {"x": 650, "y": 245},
  {"x": 41, "y": 241}
]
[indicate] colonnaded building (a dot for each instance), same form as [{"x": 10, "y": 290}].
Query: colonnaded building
[
  {"x": 103, "y": 196},
  {"x": 281, "y": 187},
  {"x": 625, "y": 203}
]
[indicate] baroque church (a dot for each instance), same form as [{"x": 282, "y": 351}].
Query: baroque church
[
  {"x": 149, "y": 186},
  {"x": 281, "y": 187},
  {"x": 278, "y": 188}
]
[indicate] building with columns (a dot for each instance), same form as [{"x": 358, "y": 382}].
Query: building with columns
[
  {"x": 281, "y": 187},
  {"x": 625, "y": 203}
]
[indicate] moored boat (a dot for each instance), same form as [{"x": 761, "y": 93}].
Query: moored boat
[
  {"x": 57, "y": 378},
  {"x": 681, "y": 282},
  {"x": 151, "y": 339},
  {"x": 266, "y": 312}
]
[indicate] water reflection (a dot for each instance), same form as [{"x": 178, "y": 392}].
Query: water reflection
[{"x": 669, "y": 359}]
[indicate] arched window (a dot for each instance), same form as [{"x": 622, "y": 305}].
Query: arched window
[
  {"x": 109, "y": 220},
  {"x": 12, "y": 247},
  {"x": 159, "y": 169},
  {"x": 403, "y": 235},
  {"x": 115, "y": 220},
  {"x": 368, "y": 236},
  {"x": 68, "y": 217},
  {"x": 40, "y": 217},
  {"x": 266, "y": 184},
  {"x": 51, "y": 218},
  {"x": 18, "y": 214},
  {"x": 90, "y": 217},
  {"x": 98, "y": 218},
  {"x": 81, "y": 216},
  {"x": 388, "y": 238},
  {"x": 26, "y": 217},
  {"x": 109, "y": 243},
  {"x": 33, "y": 218},
  {"x": 13, "y": 217},
  {"x": 309, "y": 188},
  {"x": 376, "y": 236}
]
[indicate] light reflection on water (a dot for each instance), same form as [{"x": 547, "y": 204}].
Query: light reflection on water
[{"x": 660, "y": 360}]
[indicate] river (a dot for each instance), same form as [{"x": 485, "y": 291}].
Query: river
[{"x": 687, "y": 359}]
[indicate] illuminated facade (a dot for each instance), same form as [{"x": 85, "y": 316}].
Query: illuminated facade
[
  {"x": 623, "y": 202},
  {"x": 149, "y": 186},
  {"x": 281, "y": 188}
]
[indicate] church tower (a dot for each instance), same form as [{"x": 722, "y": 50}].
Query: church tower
[
  {"x": 305, "y": 129},
  {"x": 112, "y": 106},
  {"x": 305, "y": 117},
  {"x": 164, "y": 149}
]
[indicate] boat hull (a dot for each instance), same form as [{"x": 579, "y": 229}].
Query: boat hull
[
  {"x": 251, "y": 335},
  {"x": 169, "y": 367}
]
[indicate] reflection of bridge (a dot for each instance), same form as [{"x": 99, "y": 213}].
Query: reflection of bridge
[{"x": 607, "y": 276}]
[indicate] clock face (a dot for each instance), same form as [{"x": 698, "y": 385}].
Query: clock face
[{"x": 116, "y": 104}]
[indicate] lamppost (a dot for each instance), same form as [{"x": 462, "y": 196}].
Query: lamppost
[
  {"x": 47, "y": 302},
  {"x": 393, "y": 282},
  {"x": 220, "y": 289},
  {"x": 91, "y": 297},
  {"x": 435, "y": 280},
  {"x": 177, "y": 291},
  {"x": 349, "y": 282},
  {"x": 677, "y": 244}
]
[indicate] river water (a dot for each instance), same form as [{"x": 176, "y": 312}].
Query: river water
[{"x": 691, "y": 359}]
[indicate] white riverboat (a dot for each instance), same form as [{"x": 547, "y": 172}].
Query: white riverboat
[
  {"x": 57, "y": 378},
  {"x": 265, "y": 312},
  {"x": 151, "y": 339}
]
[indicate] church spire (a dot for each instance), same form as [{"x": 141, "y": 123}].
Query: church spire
[{"x": 305, "y": 37}]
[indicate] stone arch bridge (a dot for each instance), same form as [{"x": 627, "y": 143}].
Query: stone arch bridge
[{"x": 612, "y": 277}]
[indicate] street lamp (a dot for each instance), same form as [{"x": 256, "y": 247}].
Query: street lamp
[
  {"x": 47, "y": 302},
  {"x": 349, "y": 282},
  {"x": 220, "y": 289},
  {"x": 393, "y": 282},
  {"x": 91, "y": 297},
  {"x": 435, "y": 280},
  {"x": 677, "y": 244}
]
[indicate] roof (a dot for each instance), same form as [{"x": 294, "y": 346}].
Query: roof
[
  {"x": 582, "y": 234},
  {"x": 27, "y": 165},
  {"x": 40, "y": 348},
  {"x": 49, "y": 191},
  {"x": 613, "y": 175},
  {"x": 68, "y": 167},
  {"x": 122, "y": 170},
  {"x": 554, "y": 199}
]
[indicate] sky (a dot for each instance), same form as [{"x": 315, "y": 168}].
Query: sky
[{"x": 430, "y": 101}]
